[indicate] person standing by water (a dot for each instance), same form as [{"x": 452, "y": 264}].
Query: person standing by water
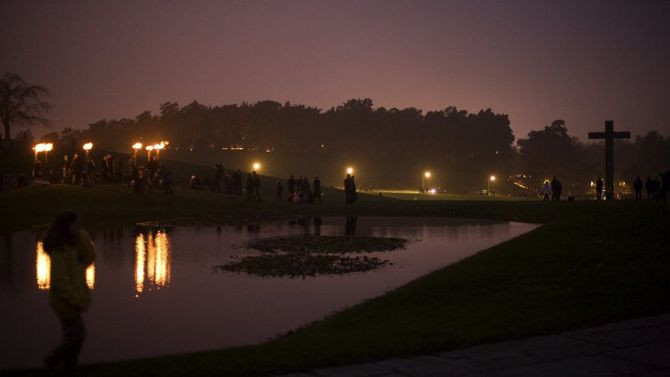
[{"x": 71, "y": 252}]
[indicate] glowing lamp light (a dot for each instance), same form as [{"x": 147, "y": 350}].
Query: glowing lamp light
[
  {"x": 149, "y": 148},
  {"x": 39, "y": 148},
  {"x": 48, "y": 147},
  {"x": 492, "y": 178},
  {"x": 350, "y": 170},
  {"x": 88, "y": 146},
  {"x": 427, "y": 174},
  {"x": 137, "y": 146},
  {"x": 256, "y": 165}
]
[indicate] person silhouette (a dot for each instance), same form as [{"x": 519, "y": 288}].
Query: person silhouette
[
  {"x": 545, "y": 191},
  {"x": 599, "y": 188},
  {"x": 279, "y": 189},
  {"x": 348, "y": 190},
  {"x": 637, "y": 186},
  {"x": 71, "y": 252}
]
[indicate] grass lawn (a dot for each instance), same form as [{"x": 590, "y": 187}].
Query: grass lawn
[{"x": 591, "y": 263}]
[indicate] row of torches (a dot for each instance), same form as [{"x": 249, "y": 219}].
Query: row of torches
[{"x": 48, "y": 147}]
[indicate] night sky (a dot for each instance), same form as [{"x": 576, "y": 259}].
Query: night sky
[{"x": 582, "y": 61}]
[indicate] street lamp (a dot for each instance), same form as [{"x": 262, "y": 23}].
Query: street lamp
[
  {"x": 87, "y": 147},
  {"x": 136, "y": 147},
  {"x": 426, "y": 175},
  {"x": 350, "y": 170},
  {"x": 491, "y": 180},
  {"x": 256, "y": 166},
  {"x": 149, "y": 148}
]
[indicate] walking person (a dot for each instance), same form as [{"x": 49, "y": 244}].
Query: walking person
[
  {"x": 347, "y": 190},
  {"x": 545, "y": 191},
  {"x": 71, "y": 252},
  {"x": 649, "y": 187},
  {"x": 66, "y": 169},
  {"x": 290, "y": 184},
  {"x": 250, "y": 188},
  {"x": 599, "y": 188},
  {"x": 554, "y": 189},
  {"x": 637, "y": 186},
  {"x": 279, "y": 190},
  {"x": 257, "y": 186}
]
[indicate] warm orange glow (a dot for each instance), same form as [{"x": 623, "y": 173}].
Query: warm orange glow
[
  {"x": 152, "y": 261},
  {"x": 149, "y": 148},
  {"x": 43, "y": 270},
  {"x": 162, "y": 265},
  {"x": 90, "y": 276},
  {"x": 350, "y": 170},
  {"x": 42, "y": 267},
  {"x": 137, "y": 146},
  {"x": 48, "y": 147},
  {"x": 427, "y": 174},
  {"x": 256, "y": 165},
  {"x": 492, "y": 178},
  {"x": 38, "y": 148},
  {"x": 88, "y": 146},
  {"x": 139, "y": 264}
]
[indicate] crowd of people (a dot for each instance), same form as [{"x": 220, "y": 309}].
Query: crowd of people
[
  {"x": 657, "y": 188},
  {"x": 154, "y": 175},
  {"x": 300, "y": 190}
]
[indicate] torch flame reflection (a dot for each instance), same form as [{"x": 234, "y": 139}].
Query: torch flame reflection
[
  {"x": 152, "y": 261},
  {"x": 43, "y": 269}
]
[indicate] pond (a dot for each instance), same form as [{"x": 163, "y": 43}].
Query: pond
[{"x": 155, "y": 290}]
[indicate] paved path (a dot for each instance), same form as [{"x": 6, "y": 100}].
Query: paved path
[{"x": 639, "y": 347}]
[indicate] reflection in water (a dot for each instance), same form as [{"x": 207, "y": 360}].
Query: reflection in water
[
  {"x": 235, "y": 306},
  {"x": 350, "y": 225},
  {"x": 43, "y": 269},
  {"x": 152, "y": 261}
]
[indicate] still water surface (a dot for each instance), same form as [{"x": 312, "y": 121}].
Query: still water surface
[{"x": 154, "y": 290}]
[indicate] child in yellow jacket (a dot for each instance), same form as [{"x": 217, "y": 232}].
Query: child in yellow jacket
[{"x": 71, "y": 252}]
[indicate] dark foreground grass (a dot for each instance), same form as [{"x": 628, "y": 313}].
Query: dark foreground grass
[{"x": 589, "y": 264}]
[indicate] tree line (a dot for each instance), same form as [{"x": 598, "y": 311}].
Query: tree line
[{"x": 389, "y": 147}]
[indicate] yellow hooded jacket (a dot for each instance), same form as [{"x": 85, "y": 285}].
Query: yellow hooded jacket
[{"x": 69, "y": 295}]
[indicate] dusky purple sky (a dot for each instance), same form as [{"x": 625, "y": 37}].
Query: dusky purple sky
[{"x": 581, "y": 61}]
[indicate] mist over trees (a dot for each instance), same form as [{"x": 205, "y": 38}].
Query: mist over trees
[{"x": 388, "y": 147}]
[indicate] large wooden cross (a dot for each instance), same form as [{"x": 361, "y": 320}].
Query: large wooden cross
[{"x": 609, "y": 135}]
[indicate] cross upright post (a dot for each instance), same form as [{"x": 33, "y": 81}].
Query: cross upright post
[{"x": 609, "y": 135}]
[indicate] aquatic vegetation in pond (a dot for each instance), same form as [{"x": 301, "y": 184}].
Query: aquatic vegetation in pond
[
  {"x": 307, "y": 255},
  {"x": 327, "y": 244},
  {"x": 302, "y": 265}
]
